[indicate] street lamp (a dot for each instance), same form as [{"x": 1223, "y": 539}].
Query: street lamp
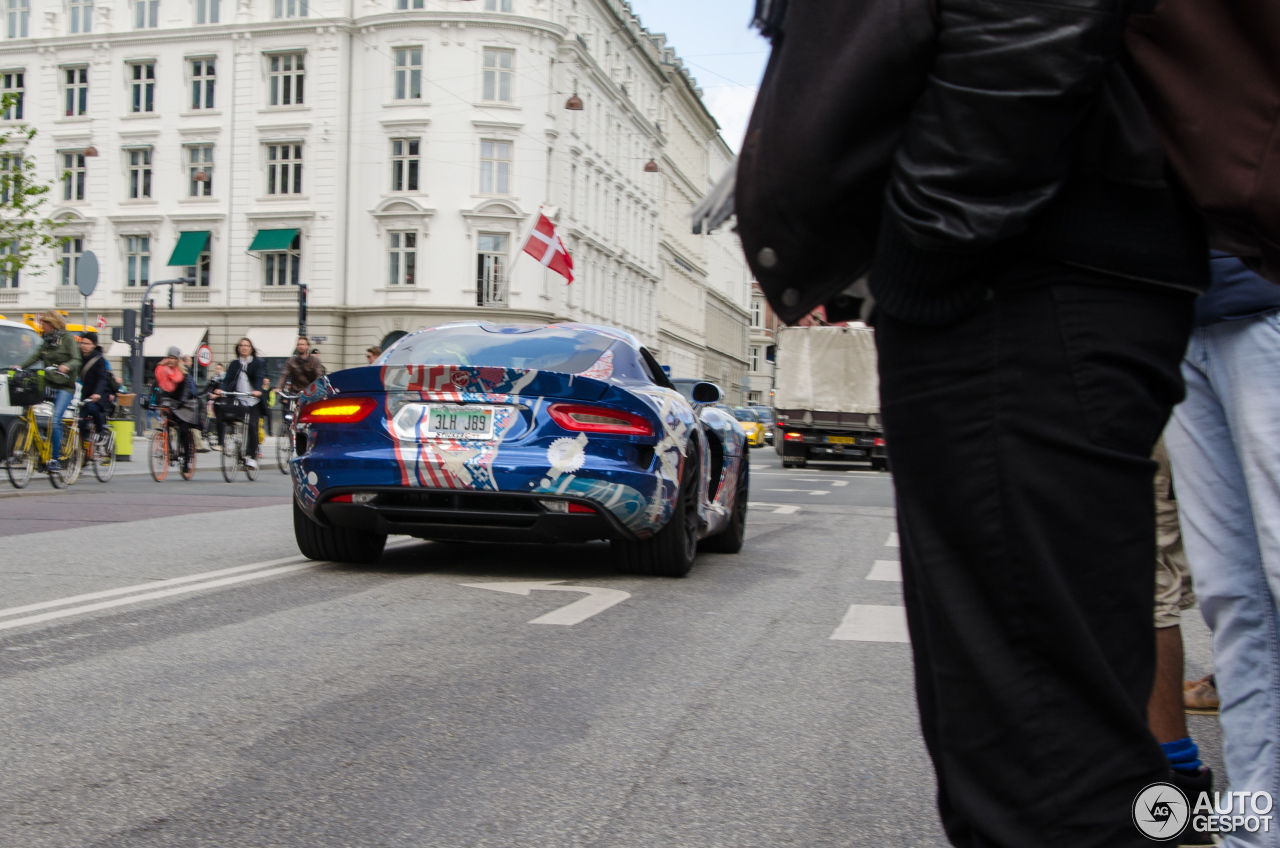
[{"x": 574, "y": 103}]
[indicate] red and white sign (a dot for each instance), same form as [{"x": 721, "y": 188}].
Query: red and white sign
[
  {"x": 546, "y": 246},
  {"x": 204, "y": 355},
  {"x": 102, "y": 322}
]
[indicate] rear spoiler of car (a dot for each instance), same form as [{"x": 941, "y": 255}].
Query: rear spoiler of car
[{"x": 463, "y": 379}]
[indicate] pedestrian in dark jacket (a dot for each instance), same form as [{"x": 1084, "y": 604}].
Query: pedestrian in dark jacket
[
  {"x": 989, "y": 166},
  {"x": 61, "y": 358},
  {"x": 245, "y": 374},
  {"x": 95, "y": 386}
]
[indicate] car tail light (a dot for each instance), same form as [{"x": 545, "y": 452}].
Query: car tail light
[
  {"x": 793, "y": 437},
  {"x": 582, "y": 508},
  {"x": 337, "y": 411},
  {"x": 598, "y": 419},
  {"x": 340, "y": 499},
  {"x": 567, "y": 506},
  {"x": 879, "y": 443}
]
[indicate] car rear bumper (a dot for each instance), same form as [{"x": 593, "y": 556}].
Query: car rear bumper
[{"x": 458, "y": 515}]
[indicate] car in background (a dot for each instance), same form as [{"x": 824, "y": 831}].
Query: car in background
[
  {"x": 17, "y": 342},
  {"x": 487, "y": 432},
  {"x": 750, "y": 421},
  {"x": 766, "y": 418}
]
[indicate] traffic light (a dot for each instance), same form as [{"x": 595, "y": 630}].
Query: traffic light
[
  {"x": 170, "y": 297},
  {"x": 148, "y": 319},
  {"x": 128, "y": 328}
]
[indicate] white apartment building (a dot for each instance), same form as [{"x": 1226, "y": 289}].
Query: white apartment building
[{"x": 390, "y": 154}]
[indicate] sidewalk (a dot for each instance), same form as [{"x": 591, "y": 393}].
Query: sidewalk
[{"x": 213, "y": 459}]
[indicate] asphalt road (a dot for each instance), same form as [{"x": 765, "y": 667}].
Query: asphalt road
[{"x": 172, "y": 674}]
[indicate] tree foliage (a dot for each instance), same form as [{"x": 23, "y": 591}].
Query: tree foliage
[{"x": 26, "y": 236}]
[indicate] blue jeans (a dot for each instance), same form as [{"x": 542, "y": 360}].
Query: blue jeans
[
  {"x": 61, "y": 400},
  {"x": 1224, "y": 442}
]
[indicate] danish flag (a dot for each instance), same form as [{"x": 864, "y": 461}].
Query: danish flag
[{"x": 546, "y": 246}]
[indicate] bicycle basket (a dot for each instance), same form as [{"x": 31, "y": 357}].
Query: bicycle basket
[
  {"x": 26, "y": 388},
  {"x": 227, "y": 410}
]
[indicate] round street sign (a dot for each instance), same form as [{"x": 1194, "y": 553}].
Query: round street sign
[
  {"x": 87, "y": 273},
  {"x": 204, "y": 355}
]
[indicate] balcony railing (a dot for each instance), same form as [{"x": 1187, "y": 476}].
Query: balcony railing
[{"x": 67, "y": 296}]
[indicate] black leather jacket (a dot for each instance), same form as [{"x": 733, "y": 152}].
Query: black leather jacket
[{"x": 914, "y": 140}]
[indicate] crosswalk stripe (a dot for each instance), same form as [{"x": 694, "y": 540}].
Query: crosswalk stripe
[
  {"x": 868, "y": 623},
  {"x": 892, "y": 541},
  {"x": 888, "y": 570}
]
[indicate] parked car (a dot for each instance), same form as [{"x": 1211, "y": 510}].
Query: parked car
[{"x": 513, "y": 432}]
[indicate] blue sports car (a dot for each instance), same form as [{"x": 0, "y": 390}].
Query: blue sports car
[{"x": 518, "y": 432}]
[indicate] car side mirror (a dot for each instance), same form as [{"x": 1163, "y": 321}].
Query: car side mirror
[{"x": 706, "y": 393}]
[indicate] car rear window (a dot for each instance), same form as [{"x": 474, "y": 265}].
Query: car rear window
[
  {"x": 502, "y": 346},
  {"x": 16, "y": 344}
]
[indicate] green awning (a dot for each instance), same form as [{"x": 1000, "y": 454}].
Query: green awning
[
  {"x": 189, "y": 247},
  {"x": 273, "y": 239}
]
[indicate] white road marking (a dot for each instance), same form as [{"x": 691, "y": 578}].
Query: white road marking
[
  {"x": 802, "y": 491},
  {"x": 839, "y": 482},
  {"x": 781, "y": 509},
  {"x": 867, "y": 623},
  {"x": 149, "y": 596},
  {"x": 597, "y": 601},
  {"x": 886, "y": 569},
  {"x": 892, "y": 541}
]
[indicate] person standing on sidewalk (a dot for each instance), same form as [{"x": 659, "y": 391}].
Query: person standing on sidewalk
[
  {"x": 1223, "y": 443},
  {"x": 61, "y": 357},
  {"x": 989, "y": 167}
]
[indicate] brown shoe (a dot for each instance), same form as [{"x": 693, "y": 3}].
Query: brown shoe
[{"x": 1200, "y": 697}]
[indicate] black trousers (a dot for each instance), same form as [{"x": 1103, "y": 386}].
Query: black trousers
[{"x": 1021, "y": 439}]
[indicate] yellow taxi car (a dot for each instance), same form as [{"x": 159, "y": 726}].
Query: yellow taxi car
[{"x": 750, "y": 421}]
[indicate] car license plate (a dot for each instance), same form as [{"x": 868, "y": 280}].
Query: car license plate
[
  {"x": 841, "y": 440},
  {"x": 459, "y": 421}
]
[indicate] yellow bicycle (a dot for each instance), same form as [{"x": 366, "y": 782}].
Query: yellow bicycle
[{"x": 27, "y": 449}]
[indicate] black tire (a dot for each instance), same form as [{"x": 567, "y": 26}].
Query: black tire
[
  {"x": 20, "y": 463},
  {"x": 284, "y": 451},
  {"x": 72, "y": 454},
  {"x": 729, "y": 540},
  {"x": 335, "y": 544},
  {"x": 669, "y": 552},
  {"x": 158, "y": 455},
  {"x": 230, "y": 456},
  {"x": 104, "y": 458}
]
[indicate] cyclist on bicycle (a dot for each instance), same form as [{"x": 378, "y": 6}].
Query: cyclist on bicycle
[
  {"x": 243, "y": 373},
  {"x": 302, "y": 369},
  {"x": 95, "y": 389},
  {"x": 172, "y": 379},
  {"x": 61, "y": 358}
]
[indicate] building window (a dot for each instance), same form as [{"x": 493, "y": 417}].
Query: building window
[
  {"x": 8, "y": 279},
  {"x": 284, "y": 169},
  {"x": 202, "y": 80},
  {"x": 73, "y": 176},
  {"x": 10, "y": 175},
  {"x": 12, "y": 85},
  {"x": 404, "y": 164},
  {"x": 207, "y": 11},
  {"x": 410, "y": 4},
  {"x": 81, "y": 16},
  {"x": 142, "y": 86},
  {"x": 72, "y": 249},
  {"x": 200, "y": 162},
  {"x": 497, "y": 5},
  {"x": 753, "y": 357},
  {"x": 137, "y": 261},
  {"x": 19, "y": 12},
  {"x": 404, "y": 258},
  {"x": 408, "y": 73},
  {"x": 491, "y": 271},
  {"x": 757, "y": 314},
  {"x": 200, "y": 271},
  {"x": 77, "y": 91},
  {"x": 286, "y": 77},
  {"x": 281, "y": 268},
  {"x": 146, "y": 14},
  {"x": 495, "y": 167},
  {"x": 498, "y": 65},
  {"x": 140, "y": 174},
  {"x": 290, "y": 8}
]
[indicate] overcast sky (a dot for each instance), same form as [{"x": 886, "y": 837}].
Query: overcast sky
[{"x": 725, "y": 56}]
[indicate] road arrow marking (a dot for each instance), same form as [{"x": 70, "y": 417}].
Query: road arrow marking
[{"x": 598, "y": 600}]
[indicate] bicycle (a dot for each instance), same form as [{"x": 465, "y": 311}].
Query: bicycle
[
  {"x": 99, "y": 449},
  {"x": 235, "y": 416},
  {"x": 162, "y": 454},
  {"x": 285, "y": 446},
  {"x": 27, "y": 449}
]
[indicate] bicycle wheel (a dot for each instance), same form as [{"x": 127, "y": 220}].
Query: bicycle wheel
[
  {"x": 20, "y": 454},
  {"x": 72, "y": 458},
  {"x": 249, "y": 470},
  {"x": 188, "y": 454},
  {"x": 284, "y": 450},
  {"x": 159, "y": 454},
  {"x": 104, "y": 457},
  {"x": 230, "y": 452}
]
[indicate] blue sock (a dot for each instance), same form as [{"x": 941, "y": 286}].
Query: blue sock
[{"x": 1183, "y": 755}]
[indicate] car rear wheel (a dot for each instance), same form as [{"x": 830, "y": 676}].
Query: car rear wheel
[
  {"x": 335, "y": 544},
  {"x": 670, "y": 551},
  {"x": 729, "y": 541}
]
